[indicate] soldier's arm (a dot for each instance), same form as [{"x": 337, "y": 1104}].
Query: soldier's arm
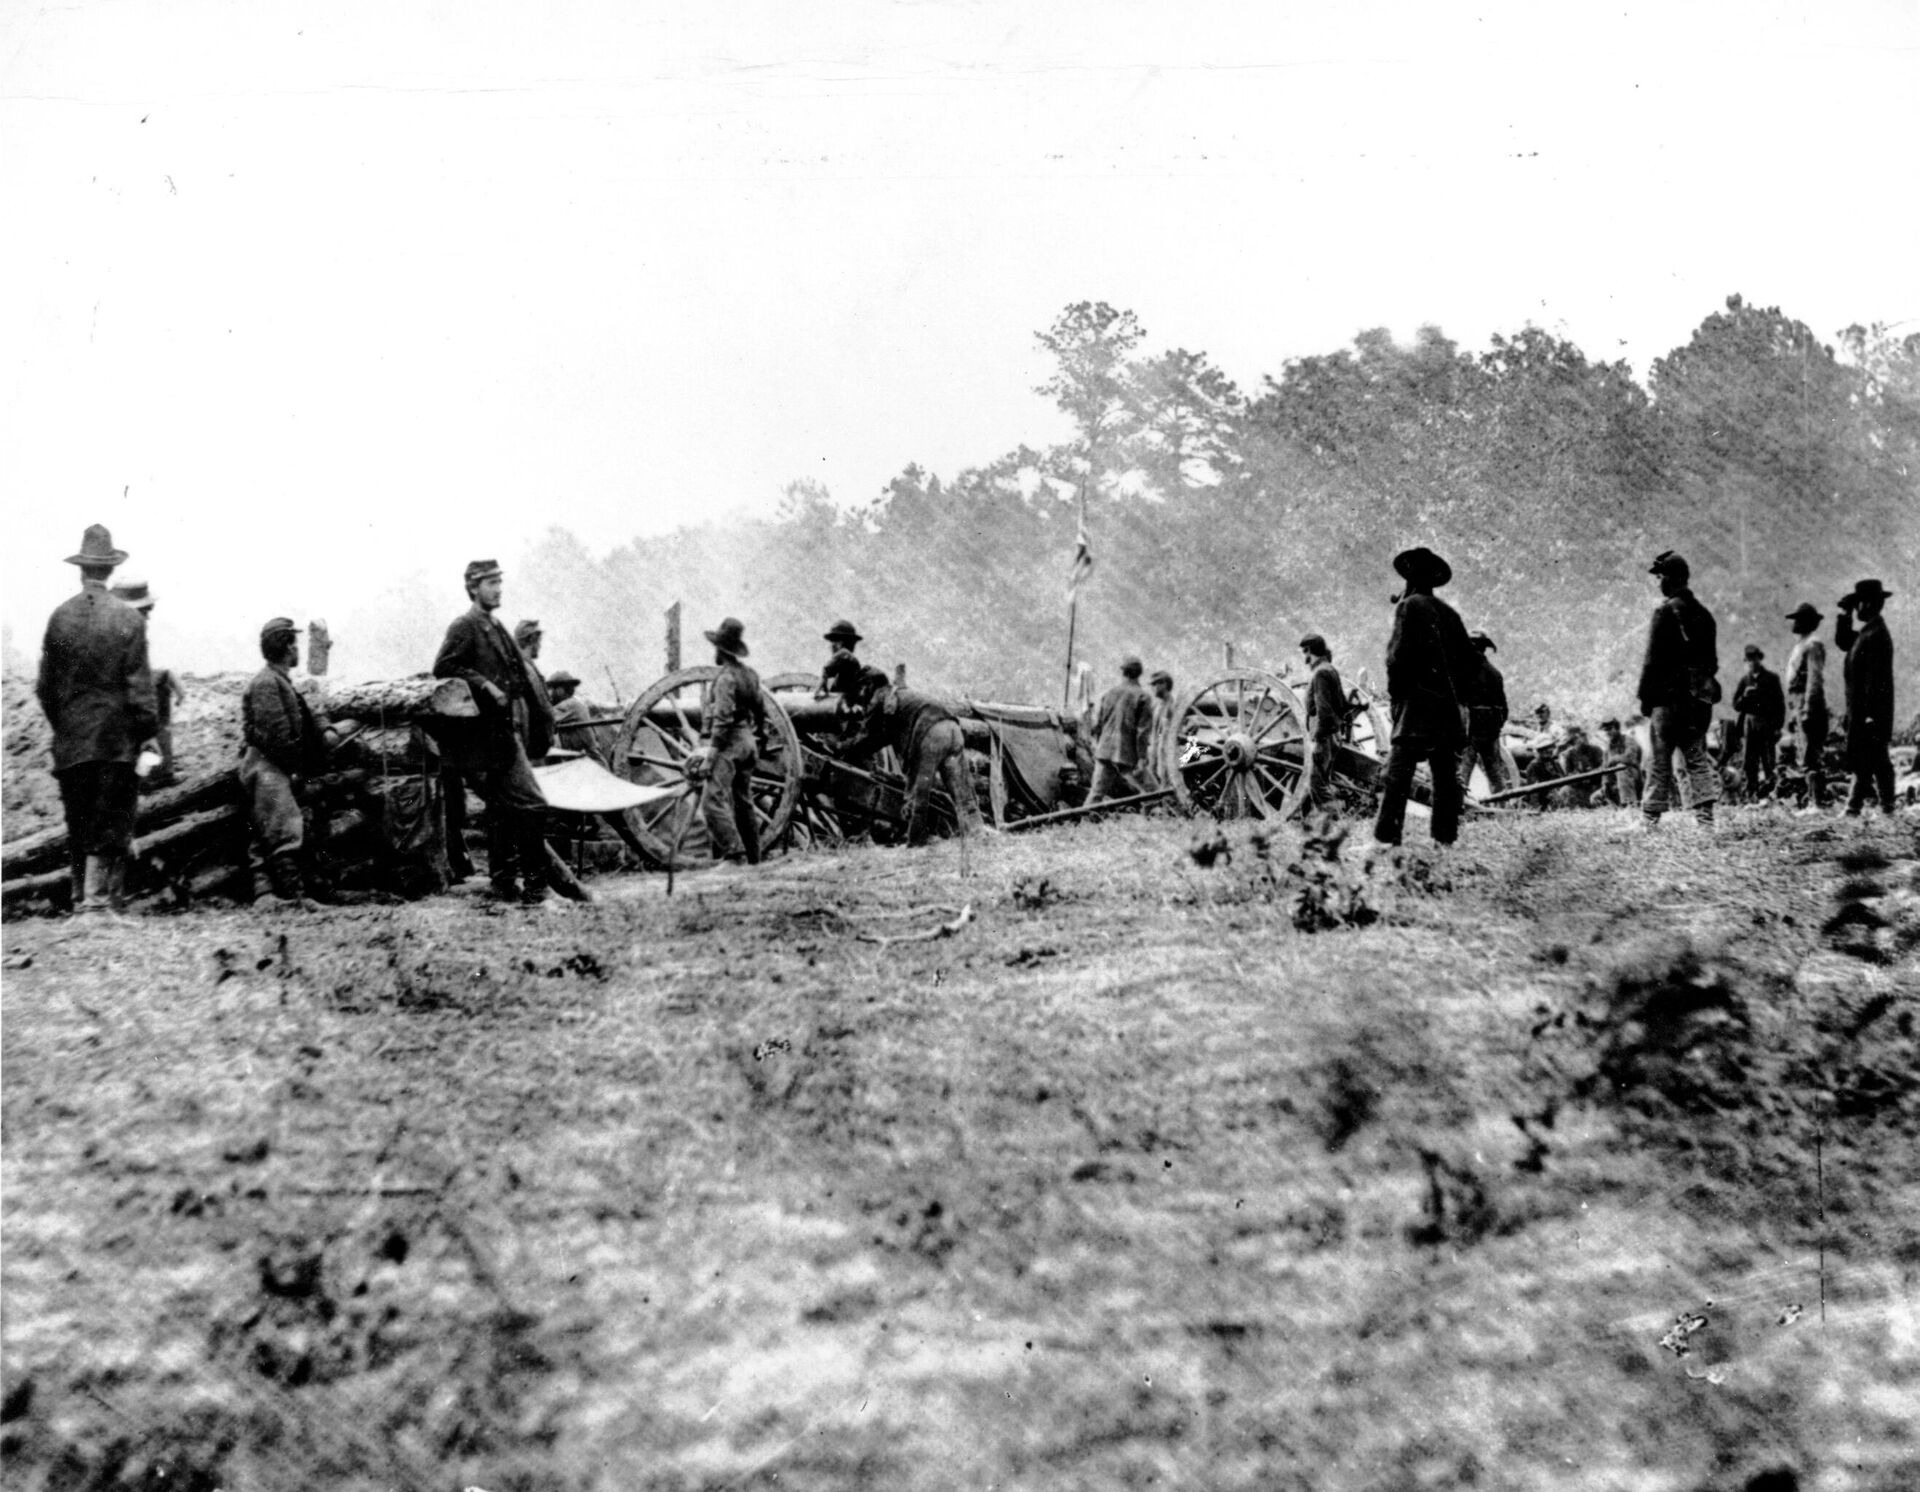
[
  {"x": 720, "y": 707},
  {"x": 1843, "y": 631},
  {"x": 142, "y": 700},
  {"x": 44, "y": 686}
]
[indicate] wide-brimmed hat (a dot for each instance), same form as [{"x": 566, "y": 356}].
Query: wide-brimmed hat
[
  {"x": 1422, "y": 566},
  {"x": 1753, "y": 651},
  {"x": 1805, "y": 612},
  {"x": 275, "y": 624},
  {"x": 730, "y": 637},
  {"x": 134, "y": 592},
  {"x": 479, "y": 570},
  {"x": 842, "y": 631},
  {"x": 1870, "y": 590},
  {"x": 1483, "y": 642},
  {"x": 1666, "y": 562},
  {"x": 96, "y": 548},
  {"x": 561, "y": 676},
  {"x": 1160, "y": 676}
]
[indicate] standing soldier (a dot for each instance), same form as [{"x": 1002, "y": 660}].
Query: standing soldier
[
  {"x": 1429, "y": 662},
  {"x": 1326, "y": 716},
  {"x": 166, "y": 688},
  {"x": 1762, "y": 706},
  {"x": 97, "y": 692},
  {"x": 283, "y": 743},
  {"x": 537, "y": 732},
  {"x": 930, "y": 744},
  {"x": 1678, "y": 690},
  {"x": 1486, "y": 717},
  {"x": 1122, "y": 731},
  {"x": 1161, "y": 683},
  {"x": 490, "y": 752},
  {"x": 1619, "y": 748},
  {"x": 1869, "y": 678},
  {"x": 731, "y": 719},
  {"x": 1807, "y": 697}
]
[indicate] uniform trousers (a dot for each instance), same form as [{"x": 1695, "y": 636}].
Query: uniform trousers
[
  {"x": 1814, "y": 721},
  {"x": 1680, "y": 729},
  {"x": 1760, "y": 757},
  {"x": 1486, "y": 750},
  {"x": 1320, "y": 793},
  {"x": 489, "y": 756},
  {"x": 733, "y": 825},
  {"x": 1872, "y": 764},
  {"x": 1111, "y": 780},
  {"x": 1442, "y": 756},
  {"x": 278, "y": 822},
  {"x": 99, "y": 799},
  {"x": 939, "y": 759}
]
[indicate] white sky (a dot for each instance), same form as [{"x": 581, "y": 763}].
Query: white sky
[{"x": 334, "y": 293}]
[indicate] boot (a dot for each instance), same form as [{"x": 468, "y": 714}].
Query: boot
[
  {"x": 93, "y": 890},
  {"x": 117, "y": 882},
  {"x": 77, "y": 881},
  {"x": 283, "y": 874},
  {"x": 1704, "y": 815}
]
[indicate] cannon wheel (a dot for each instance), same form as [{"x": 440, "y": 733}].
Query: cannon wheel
[
  {"x": 1236, "y": 747},
  {"x": 655, "y": 753}
]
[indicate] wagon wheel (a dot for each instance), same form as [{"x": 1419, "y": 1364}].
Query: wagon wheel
[
  {"x": 1236, "y": 747},
  {"x": 816, "y": 819},
  {"x": 655, "y": 741}
]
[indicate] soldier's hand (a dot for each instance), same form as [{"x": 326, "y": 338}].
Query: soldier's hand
[{"x": 494, "y": 692}]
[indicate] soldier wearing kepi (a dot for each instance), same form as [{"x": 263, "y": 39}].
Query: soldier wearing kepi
[
  {"x": 1486, "y": 717},
  {"x": 1326, "y": 715},
  {"x": 931, "y": 746},
  {"x": 1122, "y": 733},
  {"x": 97, "y": 691},
  {"x": 1807, "y": 697},
  {"x": 1429, "y": 662},
  {"x": 1678, "y": 690},
  {"x": 283, "y": 743},
  {"x": 733, "y": 715},
  {"x": 1861, "y": 633},
  {"x": 490, "y": 752},
  {"x": 1762, "y": 707}
]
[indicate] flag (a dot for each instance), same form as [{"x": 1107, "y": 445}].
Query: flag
[{"x": 1082, "y": 560}]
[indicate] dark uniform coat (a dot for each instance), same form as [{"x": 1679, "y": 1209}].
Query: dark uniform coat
[
  {"x": 1682, "y": 653},
  {"x": 1430, "y": 666},
  {"x": 478, "y": 647},
  {"x": 1326, "y": 702},
  {"x": 1123, "y": 725},
  {"x": 95, "y": 684},
  {"x": 276, "y": 720},
  {"x": 899, "y": 718},
  {"x": 1868, "y": 673},
  {"x": 1759, "y": 695}
]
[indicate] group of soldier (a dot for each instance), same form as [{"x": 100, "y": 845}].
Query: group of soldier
[
  {"x": 1449, "y": 705},
  {"x": 110, "y": 712}
]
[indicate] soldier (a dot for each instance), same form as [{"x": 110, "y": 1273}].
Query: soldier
[
  {"x": 1807, "y": 697},
  {"x": 1429, "y": 662},
  {"x": 1578, "y": 754},
  {"x": 1161, "y": 684},
  {"x": 1762, "y": 706},
  {"x": 1861, "y": 633},
  {"x": 842, "y": 639},
  {"x": 97, "y": 691},
  {"x": 733, "y": 715},
  {"x": 490, "y": 752},
  {"x": 1122, "y": 733},
  {"x": 166, "y": 687},
  {"x": 1486, "y": 718},
  {"x": 931, "y": 746},
  {"x": 527, "y": 636},
  {"x": 1617, "y": 747},
  {"x": 1326, "y": 717},
  {"x": 283, "y": 743},
  {"x": 1678, "y": 690}
]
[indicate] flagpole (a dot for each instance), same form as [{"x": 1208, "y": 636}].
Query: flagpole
[
  {"x": 1080, "y": 550},
  {"x": 1073, "y": 611}
]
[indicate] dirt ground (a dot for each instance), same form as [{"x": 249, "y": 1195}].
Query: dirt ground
[{"x": 1591, "y": 1161}]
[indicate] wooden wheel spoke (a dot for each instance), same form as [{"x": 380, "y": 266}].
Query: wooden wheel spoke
[
  {"x": 692, "y": 736},
  {"x": 1281, "y": 718}
]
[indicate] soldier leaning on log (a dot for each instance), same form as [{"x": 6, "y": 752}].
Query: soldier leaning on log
[
  {"x": 97, "y": 691},
  {"x": 1861, "y": 633},
  {"x": 490, "y": 752},
  {"x": 283, "y": 742},
  {"x": 929, "y": 742},
  {"x": 1678, "y": 690},
  {"x": 1429, "y": 660}
]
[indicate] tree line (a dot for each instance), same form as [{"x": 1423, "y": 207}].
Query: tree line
[{"x": 1782, "y": 466}]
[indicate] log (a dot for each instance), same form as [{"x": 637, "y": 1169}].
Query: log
[
  {"x": 421, "y": 695},
  {"x": 53, "y": 887},
  {"x": 47, "y": 850}
]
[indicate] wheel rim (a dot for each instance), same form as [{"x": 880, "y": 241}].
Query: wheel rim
[
  {"x": 656, "y": 740},
  {"x": 1237, "y": 747}
]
